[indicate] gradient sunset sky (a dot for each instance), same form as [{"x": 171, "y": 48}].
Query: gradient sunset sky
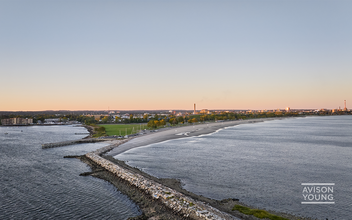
[{"x": 125, "y": 55}]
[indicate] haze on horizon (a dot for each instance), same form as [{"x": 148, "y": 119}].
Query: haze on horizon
[{"x": 244, "y": 54}]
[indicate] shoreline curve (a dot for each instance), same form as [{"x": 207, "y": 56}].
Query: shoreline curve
[{"x": 171, "y": 133}]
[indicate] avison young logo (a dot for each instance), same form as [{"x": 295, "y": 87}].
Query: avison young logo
[{"x": 318, "y": 193}]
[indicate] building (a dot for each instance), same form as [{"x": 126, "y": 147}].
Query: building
[
  {"x": 204, "y": 111},
  {"x": 345, "y": 108},
  {"x": 17, "y": 121},
  {"x": 52, "y": 121},
  {"x": 126, "y": 116},
  {"x": 6, "y": 121}
]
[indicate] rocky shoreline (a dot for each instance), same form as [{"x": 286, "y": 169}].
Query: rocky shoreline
[
  {"x": 90, "y": 129},
  {"x": 150, "y": 207},
  {"x": 159, "y": 198},
  {"x": 163, "y": 198},
  {"x": 180, "y": 204}
]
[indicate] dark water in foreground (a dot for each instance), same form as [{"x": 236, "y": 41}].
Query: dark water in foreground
[
  {"x": 262, "y": 164},
  {"x": 41, "y": 184}
]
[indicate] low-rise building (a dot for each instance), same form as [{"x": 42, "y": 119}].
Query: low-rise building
[
  {"x": 204, "y": 111},
  {"x": 17, "y": 121},
  {"x": 53, "y": 121}
]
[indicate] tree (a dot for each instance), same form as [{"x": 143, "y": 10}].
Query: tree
[
  {"x": 278, "y": 114},
  {"x": 105, "y": 119},
  {"x": 151, "y": 124},
  {"x": 194, "y": 120},
  {"x": 173, "y": 121},
  {"x": 162, "y": 122},
  {"x": 270, "y": 114},
  {"x": 180, "y": 119},
  {"x": 89, "y": 120},
  {"x": 41, "y": 118},
  {"x": 156, "y": 123},
  {"x": 100, "y": 129}
]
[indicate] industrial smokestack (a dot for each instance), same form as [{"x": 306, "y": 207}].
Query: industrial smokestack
[
  {"x": 345, "y": 105},
  {"x": 194, "y": 108}
]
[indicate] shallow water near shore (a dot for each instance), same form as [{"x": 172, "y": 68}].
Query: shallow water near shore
[
  {"x": 262, "y": 164},
  {"x": 41, "y": 184}
]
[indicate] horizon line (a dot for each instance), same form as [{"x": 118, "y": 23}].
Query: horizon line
[{"x": 225, "y": 109}]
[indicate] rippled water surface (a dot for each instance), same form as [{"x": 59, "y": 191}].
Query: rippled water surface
[
  {"x": 41, "y": 184},
  {"x": 262, "y": 164}
]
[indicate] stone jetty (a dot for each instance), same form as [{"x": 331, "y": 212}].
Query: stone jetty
[
  {"x": 65, "y": 143},
  {"x": 178, "y": 202}
]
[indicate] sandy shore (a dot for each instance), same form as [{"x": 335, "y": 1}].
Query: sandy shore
[
  {"x": 154, "y": 209},
  {"x": 179, "y": 132}
]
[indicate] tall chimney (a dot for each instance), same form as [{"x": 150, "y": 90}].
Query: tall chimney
[
  {"x": 345, "y": 105},
  {"x": 194, "y": 108}
]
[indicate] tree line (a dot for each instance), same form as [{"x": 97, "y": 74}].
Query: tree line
[{"x": 160, "y": 120}]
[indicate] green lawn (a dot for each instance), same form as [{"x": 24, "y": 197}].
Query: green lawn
[{"x": 117, "y": 129}]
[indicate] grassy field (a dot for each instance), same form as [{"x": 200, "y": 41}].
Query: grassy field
[{"x": 123, "y": 129}]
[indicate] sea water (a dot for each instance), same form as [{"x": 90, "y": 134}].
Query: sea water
[
  {"x": 263, "y": 164},
  {"x": 39, "y": 183}
]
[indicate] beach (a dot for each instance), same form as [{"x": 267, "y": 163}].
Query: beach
[
  {"x": 170, "y": 133},
  {"x": 165, "y": 134}
]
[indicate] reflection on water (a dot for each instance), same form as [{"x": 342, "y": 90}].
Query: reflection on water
[
  {"x": 41, "y": 184},
  {"x": 262, "y": 164}
]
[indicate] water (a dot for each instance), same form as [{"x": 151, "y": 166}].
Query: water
[
  {"x": 261, "y": 164},
  {"x": 41, "y": 184}
]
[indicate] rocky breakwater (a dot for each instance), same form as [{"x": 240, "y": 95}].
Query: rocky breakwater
[
  {"x": 66, "y": 143},
  {"x": 179, "y": 203}
]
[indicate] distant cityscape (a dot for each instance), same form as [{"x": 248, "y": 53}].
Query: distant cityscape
[{"x": 140, "y": 116}]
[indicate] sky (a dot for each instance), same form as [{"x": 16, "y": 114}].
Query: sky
[{"x": 168, "y": 54}]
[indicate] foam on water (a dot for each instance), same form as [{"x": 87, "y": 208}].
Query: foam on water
[{"x": 262, "y": 164}]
